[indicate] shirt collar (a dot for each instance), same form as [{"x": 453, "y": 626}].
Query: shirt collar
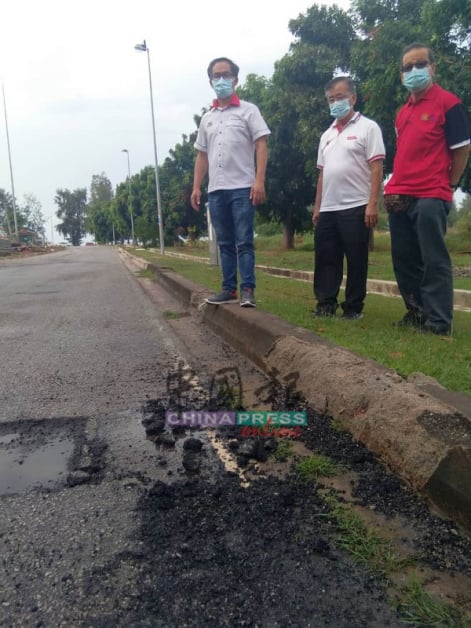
[
  {"x": 234, "y": 101},
  {"x": 353, "y": 119},
  {"x": 427, "y": 96}
]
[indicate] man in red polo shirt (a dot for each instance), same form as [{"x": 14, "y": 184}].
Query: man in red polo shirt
[{"x": 433, "y": 142}]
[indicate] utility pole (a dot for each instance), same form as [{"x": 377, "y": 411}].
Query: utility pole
[{"x": 11, "y": 167}]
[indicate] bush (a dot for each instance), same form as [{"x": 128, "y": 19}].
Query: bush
[
  {"x": 269, "y": 228},
  {"x": 459, "y": 236}
]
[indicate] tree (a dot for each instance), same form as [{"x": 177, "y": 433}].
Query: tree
[
  {"x": 6, "y": 213},
  {"x": 293, "y": 104},
  {"x": 177, "y": 184},
  {"x": 72, "y": 211},
  {"x": 385, "y": 27},
  {"x": 33, "y": 216},
  {"x": 99, "y": 219}
]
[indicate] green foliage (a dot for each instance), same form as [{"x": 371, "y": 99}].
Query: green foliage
[
  {"x": 99, "y": 220},
  {"x": 72, "y": 210},
  {"x": 284, "y": 449},
  {"x": 7, "y": 220},
  {"x": 447, "y": 359},
  {"x": 419, "y": 608},
  {"x": 269, "y": 228},
  {"x": 315, "y": 466},
  {"x": 463, "y": 230},
  {"x": 177, "y": 183},
  {"x": 293, "y": 104},
  {"x": 365, "y": 545},
  {"x": 31, "y": 212},
  {"x": 366, "y": 43},
  {"x": 171, "y": 315},
  {"x": 385, "y": 27}
]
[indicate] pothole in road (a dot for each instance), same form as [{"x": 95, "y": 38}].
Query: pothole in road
[
  {"x": 24, "y": 469},
  {"x": 44, "y": 455}
]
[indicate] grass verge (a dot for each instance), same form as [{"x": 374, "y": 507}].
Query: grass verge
[{"x": 447, "y": 359}]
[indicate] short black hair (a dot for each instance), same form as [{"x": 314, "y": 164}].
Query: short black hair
[
  {"x": 234, "y": 67},
  {"x": 415, "y": 46},
  {"x": 341, "y": 79}
]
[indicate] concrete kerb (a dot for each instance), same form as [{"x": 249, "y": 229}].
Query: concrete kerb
[
  {"x": 461, "y": 298},
  {"x": 422, "y": 438}
]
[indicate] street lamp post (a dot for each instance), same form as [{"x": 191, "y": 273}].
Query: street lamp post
[
  {"x": 125, "y": 150},
  {"x": 144, "y": 48},
  {"x": 13, "y": 201}
]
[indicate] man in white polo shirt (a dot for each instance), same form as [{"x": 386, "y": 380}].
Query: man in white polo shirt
[
  {"x": 231, "y": 141},
  {"x": 350, "y": 160}
]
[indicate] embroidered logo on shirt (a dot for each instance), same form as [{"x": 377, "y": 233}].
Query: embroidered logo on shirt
[
  {"x": 424, "y": 117},
  {"x": 352, "y": 137}
]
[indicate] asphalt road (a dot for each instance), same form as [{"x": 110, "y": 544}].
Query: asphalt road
[
  {"x": 75, "y": 334},
  {"x": 101, "y": 527}
]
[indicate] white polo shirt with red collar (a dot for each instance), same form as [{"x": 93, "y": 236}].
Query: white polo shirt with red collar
[
  {"x": 344, "y": 156},
  {"x": 228, "y": 137}
]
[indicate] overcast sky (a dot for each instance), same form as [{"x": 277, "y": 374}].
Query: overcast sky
[{"x": 77, "y": 92}]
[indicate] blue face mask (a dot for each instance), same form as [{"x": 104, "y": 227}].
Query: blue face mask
[
  {"x": 340, "y": 108},
  {"x": 416, "y": 79},
  {"x": 223, "y": 87}
]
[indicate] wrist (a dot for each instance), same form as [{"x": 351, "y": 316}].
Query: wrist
[{"x": 454, "y": 186}]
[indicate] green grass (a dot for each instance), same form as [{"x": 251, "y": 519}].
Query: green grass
[
  {"x": 419, "y": 608},
  {"x": 362, "y": 543},
  {"x": 284, "y": 449},
  {"x": 447, "y": 359},
  {"x": 414, "y": 604},
  {"x": 315, "y": 466},
  {"x": 171, "y": 315},
  {"x": 146, "y": 273},
  {"x": 270, "y": 253}
]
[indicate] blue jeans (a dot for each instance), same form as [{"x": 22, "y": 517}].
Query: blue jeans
[{"x": 232, "y": 216}]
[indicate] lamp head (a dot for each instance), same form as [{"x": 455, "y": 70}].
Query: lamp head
[{"x": 142, "y": 47}]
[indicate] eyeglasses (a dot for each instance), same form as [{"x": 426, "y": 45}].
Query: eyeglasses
[
  {"x": 418, "y": 65},
  {"x": 224, "y": 75},
  {"x": 331, "y": 99}
]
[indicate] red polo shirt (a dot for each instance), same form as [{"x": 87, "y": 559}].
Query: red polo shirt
[{"x": 427, "y": 130}]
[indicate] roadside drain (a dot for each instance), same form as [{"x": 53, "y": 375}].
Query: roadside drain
[{"x": 42, "y": 455}]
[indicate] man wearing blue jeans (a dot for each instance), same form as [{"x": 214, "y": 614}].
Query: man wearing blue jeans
[{"x": 232, "y": 148}]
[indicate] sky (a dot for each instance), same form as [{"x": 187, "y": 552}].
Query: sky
[{"x": 77, "y": 92}]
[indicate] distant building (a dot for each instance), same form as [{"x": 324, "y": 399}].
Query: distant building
[{"x": 29, "y": 237}]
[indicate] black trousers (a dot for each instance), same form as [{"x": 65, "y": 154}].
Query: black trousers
[
  {"x": 340, "y": 234},
  {"x": 421, "y": 261}
]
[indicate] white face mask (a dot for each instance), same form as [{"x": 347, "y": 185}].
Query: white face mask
[
  {"x": 340, "y": 108},
  {"x": 223, "y": 87},
  {"x": 416, "y": 79}
]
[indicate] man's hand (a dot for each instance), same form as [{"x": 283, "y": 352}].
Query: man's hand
[
  {"x": 371, "y": 215},
  {"x": 257, "y": 193},
  {"x": 196, "y": 199},
  {"x": 315, "y": 216}
]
